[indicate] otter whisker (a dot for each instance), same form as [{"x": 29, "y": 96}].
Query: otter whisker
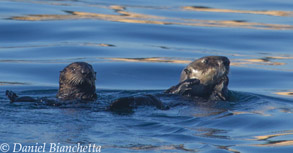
[
  {"x": 75, "y": 82},
  {"x": 91, "y": 82}
]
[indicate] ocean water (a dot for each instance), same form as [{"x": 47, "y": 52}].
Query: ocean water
[{"x": 140, "y": 47}]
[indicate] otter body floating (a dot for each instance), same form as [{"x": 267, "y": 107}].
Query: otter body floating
[
  {"x": 76, "y": 82},
  {"x": 205, "y": 78}
]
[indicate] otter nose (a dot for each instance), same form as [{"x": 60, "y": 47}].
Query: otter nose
[
  {"x": 223, "y": 61},
  {"x": 226, "y": 62},
  {"x": 84, "y": 71}
]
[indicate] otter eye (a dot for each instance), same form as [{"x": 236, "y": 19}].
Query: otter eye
[
  {"x": 186, "y": 71},
  {"x": 72, "y": 69},
  {"x": 204, "y": 61}
]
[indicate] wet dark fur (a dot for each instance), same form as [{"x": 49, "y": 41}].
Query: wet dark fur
[
  {"x": 125, "y": 103},
  {"x": 77, "y": 81},
  {"x": 206, "y": 77}
]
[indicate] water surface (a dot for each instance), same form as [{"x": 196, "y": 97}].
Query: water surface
[{"x": 140, "y": 47}]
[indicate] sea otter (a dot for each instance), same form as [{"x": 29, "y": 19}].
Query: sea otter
[
  {"x": 76, "y": 82},
  {"x": 205, "y": 78}
]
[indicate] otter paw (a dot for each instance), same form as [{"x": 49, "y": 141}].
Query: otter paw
[
  {"x": 190, "y": 82},
  {"x": 11, "y": 95}
]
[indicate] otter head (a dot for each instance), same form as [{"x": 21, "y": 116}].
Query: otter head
[
  {"x": 77, "y": 81},
  {"x": 208, "y": 70}
]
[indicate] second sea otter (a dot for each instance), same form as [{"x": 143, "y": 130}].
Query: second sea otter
[{"x": 205, "y": 78}]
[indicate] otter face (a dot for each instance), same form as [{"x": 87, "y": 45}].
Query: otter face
[
  {"x": 207, "y": 69},
  {"x": 78, "y": 73}
]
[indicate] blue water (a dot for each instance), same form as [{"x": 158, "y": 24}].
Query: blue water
[{"x": 140, "y": 47}]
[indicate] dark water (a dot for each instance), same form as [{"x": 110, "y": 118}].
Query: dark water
[{"x": 140, "y": 47}]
